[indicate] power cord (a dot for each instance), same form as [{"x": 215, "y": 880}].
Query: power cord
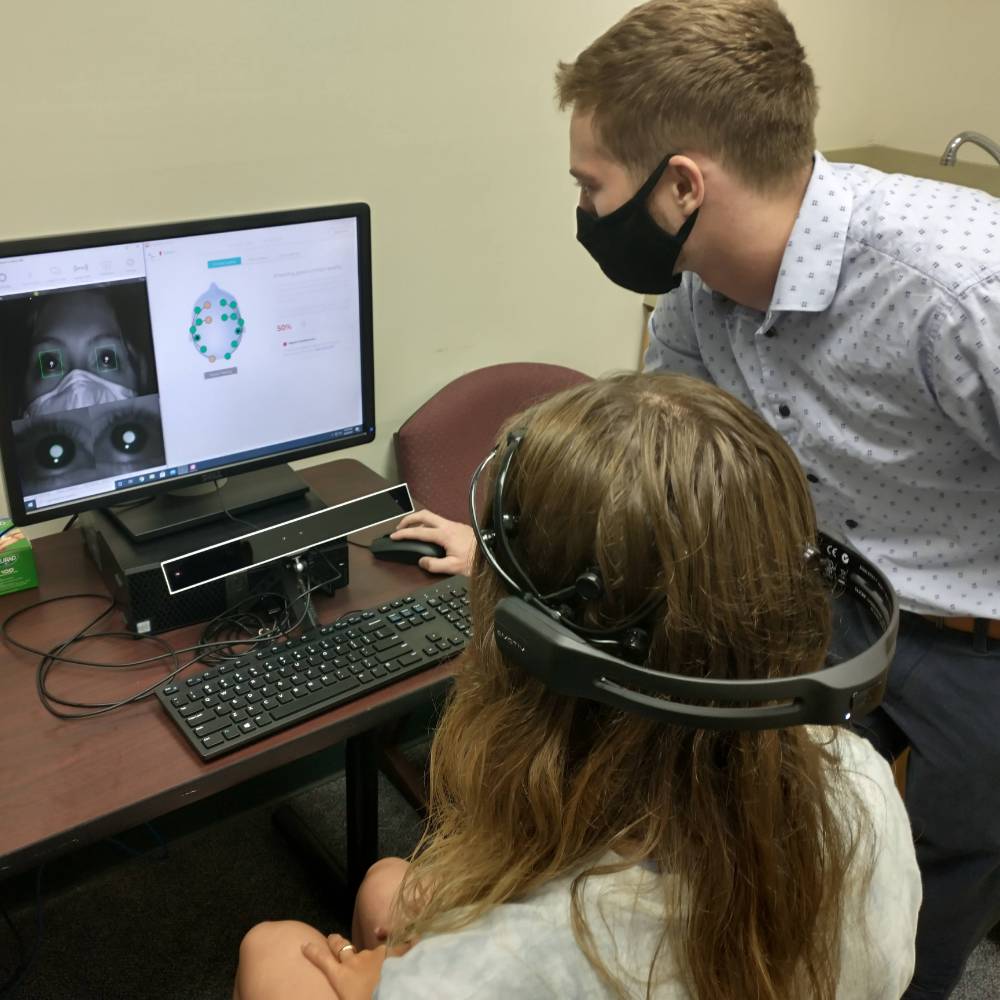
[{"x": 229, "y": 513}]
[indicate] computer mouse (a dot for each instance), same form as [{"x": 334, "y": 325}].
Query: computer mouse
[{"x": 404, "y": 550}]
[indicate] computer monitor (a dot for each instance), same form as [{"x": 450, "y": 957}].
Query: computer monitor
[{"x": 151, "y": 359}]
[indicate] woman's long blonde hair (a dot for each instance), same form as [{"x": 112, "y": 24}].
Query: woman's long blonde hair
[{"x": 667, "y": 485}]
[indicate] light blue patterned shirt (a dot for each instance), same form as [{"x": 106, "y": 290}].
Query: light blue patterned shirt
[{"x": 878, "y": 360}]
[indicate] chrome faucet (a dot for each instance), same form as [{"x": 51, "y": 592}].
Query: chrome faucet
[{"x": 977, "y": 139}]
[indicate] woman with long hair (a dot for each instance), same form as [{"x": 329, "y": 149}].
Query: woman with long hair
[{"x": 574, "y": 849}]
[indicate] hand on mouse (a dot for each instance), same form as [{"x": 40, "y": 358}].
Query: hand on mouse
[{"x": 458, "y": 541}]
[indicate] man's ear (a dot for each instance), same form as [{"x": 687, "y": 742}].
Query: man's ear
[{"x": 681, "y": 189}]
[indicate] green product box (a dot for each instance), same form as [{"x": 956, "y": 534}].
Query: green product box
[{"x": 17, "y": 561}]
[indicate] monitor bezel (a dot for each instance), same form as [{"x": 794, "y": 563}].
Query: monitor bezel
[{"x": 360, "y": 211}]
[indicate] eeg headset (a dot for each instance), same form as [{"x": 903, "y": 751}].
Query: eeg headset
[{"x": 537, "y": 631}]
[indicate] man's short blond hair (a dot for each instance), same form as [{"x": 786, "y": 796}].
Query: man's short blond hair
[{"x": 724, "y": 77}]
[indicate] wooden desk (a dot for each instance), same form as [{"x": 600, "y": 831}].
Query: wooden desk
[{"x": 64, "y": 784}]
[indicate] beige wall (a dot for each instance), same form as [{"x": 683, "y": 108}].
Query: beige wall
[
  {"x": 438, "y": 113},
  {"x": 945, "y": 59},
  {"x": 842, "y": 42}
]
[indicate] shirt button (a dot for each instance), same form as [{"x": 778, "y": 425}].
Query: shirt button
[
  {"x": 812, "y": 478},
  {"x": 851, "y": 523},
  {"x": 771, "y": 333},
  {"x": 784, "y": 410}
]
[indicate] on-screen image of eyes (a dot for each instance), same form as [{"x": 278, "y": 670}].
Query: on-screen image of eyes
[
  {"x": 127, "y": 435},
  {"x": 50, "y": 364},
  {"x": 54, "y": 453},
  {"x": 106, "y": 359}
]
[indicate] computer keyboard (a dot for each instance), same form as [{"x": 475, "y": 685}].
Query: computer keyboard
[{"x": 226, "y": 707}]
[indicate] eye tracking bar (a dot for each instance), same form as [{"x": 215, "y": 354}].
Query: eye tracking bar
[{"x": 286, "y": 539}]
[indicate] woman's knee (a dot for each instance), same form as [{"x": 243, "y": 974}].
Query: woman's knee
[
  {"x": 272, "y": 937},
  {"x": 374, "y": 900},
  {"x": 385, "y": 871},
  {"x": 380, "y": 883}
]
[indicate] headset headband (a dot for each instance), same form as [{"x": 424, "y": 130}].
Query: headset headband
[{"x": 581, "y": 662}]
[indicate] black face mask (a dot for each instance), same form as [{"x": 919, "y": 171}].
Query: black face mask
[{"x": 631, "y": 249}]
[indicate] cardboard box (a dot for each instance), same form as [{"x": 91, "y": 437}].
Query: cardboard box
[{"x": 17, "y": 561}]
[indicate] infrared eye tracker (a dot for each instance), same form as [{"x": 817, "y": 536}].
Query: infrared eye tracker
[{"x": 285, "y": 540}]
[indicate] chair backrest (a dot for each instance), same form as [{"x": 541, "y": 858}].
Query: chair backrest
[{"x": 440, "y": 445}]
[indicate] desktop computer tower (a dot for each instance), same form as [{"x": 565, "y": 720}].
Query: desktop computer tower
[{"x": 132, "y": 571}]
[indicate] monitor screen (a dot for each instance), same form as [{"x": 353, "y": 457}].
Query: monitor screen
[{"x": 133, "y": 360}]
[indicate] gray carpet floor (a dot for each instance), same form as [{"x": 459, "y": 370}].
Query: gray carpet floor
[{"x": 167, "y": 926}]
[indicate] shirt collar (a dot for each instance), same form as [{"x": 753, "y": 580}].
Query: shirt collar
[{"x": 810, "y": 267}]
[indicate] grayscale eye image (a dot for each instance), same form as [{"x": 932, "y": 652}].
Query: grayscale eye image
[
  {"x": 56, "y": 451},
  {"x": 128, "y": 436},
  {"x": 85, "y": 406}
]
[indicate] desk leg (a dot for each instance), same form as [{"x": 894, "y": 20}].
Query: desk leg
[
  {"x": 361, "y": 767},
  {"x": 361, "y": 821}
]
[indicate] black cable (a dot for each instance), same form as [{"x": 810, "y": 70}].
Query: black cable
[
  {"x": 54, "y": 655},
  {"x": 50, "y": 657},
  {"x": 360, "y": 545},
  {"x": 229, "y": 513}
]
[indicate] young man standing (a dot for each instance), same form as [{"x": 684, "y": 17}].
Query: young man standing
[{"x": 859, "y": 313}]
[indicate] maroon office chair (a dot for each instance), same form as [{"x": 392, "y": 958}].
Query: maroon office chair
[
  {"x": 437, "y": 450},
  {"x": 440, "y": 445}
]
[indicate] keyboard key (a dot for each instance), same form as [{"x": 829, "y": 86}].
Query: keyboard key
[
  {"x": 212, "y": 741},
  {"x": 315, "y": 698},
  {"x": 207, "y": 728},
  {"x": 391, "y": 654}
]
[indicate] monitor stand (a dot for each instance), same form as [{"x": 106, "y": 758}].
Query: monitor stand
[{"x": 191, "y": 506}]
